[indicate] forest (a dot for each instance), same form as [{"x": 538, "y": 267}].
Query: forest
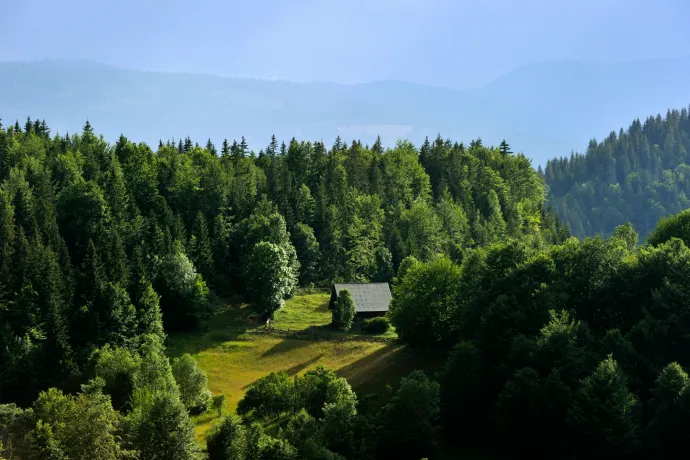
[
  {"x": 553, "y": 345},
  {"x": 639, "y": 175}
]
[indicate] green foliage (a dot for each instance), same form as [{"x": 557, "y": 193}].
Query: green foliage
[
  {"x": 270, "y": 277},
  {"x": 627, "y": 234},
  {"x": 118, "y": 368},
  {"x": 276, "y": 449},
  {"x": 218, "y": 403},
  {"x": 407, "y": 263},
  {"x": 269, "y": 396},
  {"x": 200, "y": 248},
  {"x": 531, "y": 411},
  {"x": 464, "y": 395},
  {"x": 454, "y": 222},
  {"x": 300, "y": 429},
  {"x": 154, "y": 373},
  {"x": 82, "y": 212},
  {"x": 192, "y": 382},
  {"x": 344, "y": 311},
  {"x": 314, "y": 451},
  {"x": 675, "y": 226},
  {"x": 100, "y": 246},
  {"x": 338, "y": 428},
  {"x": 321, "y": 386},
  {"x": 410, "y": 420},
  {"x": 43, "y": 444},
  {"x": 184, "y": 295},
  {"x": 75, "y": 427},
  {"x": 424, "y": 300},
  {"x": 308, "y": 253},
  {"x": 161, "y": 428},
  {"x": 420, "y": 228},
  {"x": 383, "y": 261},
  {"x": 639, "y": 175},
  {"x": 376, "y": 325},
  {"x": 149, "y": 315},
  {"x": 667, "y": 430},
  {"x": 227, "y": 440},
  {"x": 604, "y": 414}
]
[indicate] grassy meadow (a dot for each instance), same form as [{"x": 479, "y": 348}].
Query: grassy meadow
[{"x": 233, "y": 359}]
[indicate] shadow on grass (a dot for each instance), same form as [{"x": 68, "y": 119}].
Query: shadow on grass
[
  {"x": 297, "y": 368},
  {"x": 370, "y": 365},
  {"x": 386, "y": 366},
  {"x": 294, "y": 370},
  {"x": 195, "y": 342},
  {"x": 228, "y": 323},
  {"x": 325, "y": 331},
  {"x": 323, "y": 308},
  {"x": 286, "y": 345}
]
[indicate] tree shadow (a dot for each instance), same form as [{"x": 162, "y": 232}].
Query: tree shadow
[
  {"x": 371, "y": 364},
  {"x": 323, "y": 308},
  {"x": 386, "y": 366},
  {"x": 297, "y": 368},
  {"x": 286, "y": 345},
  {"x": 228, "y": 323},
  {"x": 195, "y": 342},
  {"x": 323, "y": 331}
]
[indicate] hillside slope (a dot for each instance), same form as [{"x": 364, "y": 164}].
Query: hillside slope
[
  {"x": 638, "y": 176},
  {"x": 543, "y": 110}
]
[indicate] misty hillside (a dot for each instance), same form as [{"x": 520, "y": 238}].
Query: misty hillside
[
  {"x": 639, "y": 175},
  {"x": 544, "y": 110}
]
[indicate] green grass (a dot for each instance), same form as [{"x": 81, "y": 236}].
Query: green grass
[
  {"x": 310, "y": 312},
  {"x": 302, "y": 312},
  {"x": 233, "y": 360}
]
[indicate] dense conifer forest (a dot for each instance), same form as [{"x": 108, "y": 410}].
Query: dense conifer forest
[
  {"x": 553, "y": 346},
  {"x": 638, "y": 175}
]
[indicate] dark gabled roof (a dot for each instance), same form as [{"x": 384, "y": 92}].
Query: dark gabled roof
[{"x": 370, "y": 297}]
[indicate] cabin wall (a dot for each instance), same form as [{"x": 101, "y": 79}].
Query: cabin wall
[{"x": 369, "y": 314}]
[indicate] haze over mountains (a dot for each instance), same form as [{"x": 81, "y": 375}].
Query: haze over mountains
[{"x": 544, "y": 110}]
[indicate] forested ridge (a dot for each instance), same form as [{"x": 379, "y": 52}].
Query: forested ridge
[
  {"x": 104, "y": 248},
  {"x": 553, "y": 346},
  {"x": 638, "y": 175}
]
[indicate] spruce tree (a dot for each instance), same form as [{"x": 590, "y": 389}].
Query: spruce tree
[
  {"x": 228, "y": 440},
  {"x": 116, "y": 192},
  {"x": 344, "y": 311},
  {"x": 201, "y": 249},
  {"x": 163, "y": 430},
  {"x": 211, "y": 148},
  {"x": 7, "y": 240},
  {"x": 149, "y": 316},
  {"x": 88, "y": 129},
  {"x": 504, "y": 148},
  {"x": 604, "y": 414},
  {"x": 57, "y": 357},
  {"x": 667, "y": 432},
  {"x": 244, "y": 148}
]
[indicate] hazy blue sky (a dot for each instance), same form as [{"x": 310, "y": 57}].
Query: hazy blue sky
[{"x": 443, "y": 42}]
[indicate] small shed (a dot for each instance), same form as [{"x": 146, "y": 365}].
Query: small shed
[{"x": 371, "y": 299}]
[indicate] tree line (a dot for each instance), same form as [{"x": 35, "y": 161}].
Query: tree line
[
  {"x": 105, "y": 248},
  {"x": 638, "y": 175},
  {"x": 555, "y": 346},
  {"x": 574, "y": 351},
  {"x": 102, "y": 244}
]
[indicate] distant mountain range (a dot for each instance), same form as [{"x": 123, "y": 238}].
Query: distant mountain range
[{"x": 544, "y": 110}]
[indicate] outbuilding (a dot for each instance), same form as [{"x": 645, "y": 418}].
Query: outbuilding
[{"x": 371, "y": 299}]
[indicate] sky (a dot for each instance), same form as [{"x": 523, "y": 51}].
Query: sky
[{"x": 454, "y": 43}]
